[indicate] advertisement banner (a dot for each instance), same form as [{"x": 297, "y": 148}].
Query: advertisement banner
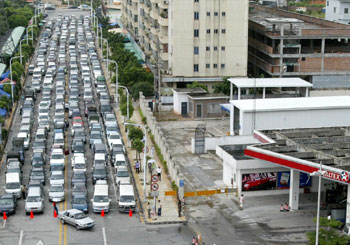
[
  {"x": 283, "y": 180},
  {"x": 259, "y": 181}
]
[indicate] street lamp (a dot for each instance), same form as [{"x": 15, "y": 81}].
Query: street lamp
[
  {"x": 144, "y": 156},
  {"x": 116, "y": 80},
  {"x": 127, "y": 101},
  {"x": 32, "y": 26},
  {"x": 91, "y": 9},
  {"x": 20, "y": 48},
  {"x": 104, "y": 39},
  {"x": 16, "y": 57},
  {"x": 318, "y": 173}
]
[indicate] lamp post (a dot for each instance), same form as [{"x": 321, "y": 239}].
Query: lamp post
[
  {"x": 32, "y": 32},
  {"x": 318, "y": 173},
  {"x": 127, "y": 101},
  {"x": 144, "y": 156},
  {"x": 16, "y": 57},
  {"x": 91, "y": 9},
  {"x": 107, "y": 60},
  {"x": 116, "y": 81},
  {"x": 20, "y": 48}
]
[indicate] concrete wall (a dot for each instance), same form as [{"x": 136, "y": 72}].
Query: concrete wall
[
  {"x": 178, "y": 99},
  {"x": 338, "y": 15},
  {"x": 173, "y": 166},
  {"x": 329, "y": 92}
]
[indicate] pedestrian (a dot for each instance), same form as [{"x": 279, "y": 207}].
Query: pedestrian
[
  {"x": 55, "y": 207},
  {"x": 159, "y": 209},
  {"x": 241, "y": 201},
  {"x": 179, "y": 205},
  {"x": 193, "y": 240},
  {"x": 159, "y": 173},
  {"x": 286, "y": 207},
  {"x": 23, "y": 190},
  {"x": 149, "y": 208},
  {"x": 137, "y": 166},
  {"x": 282, "y": 208}
]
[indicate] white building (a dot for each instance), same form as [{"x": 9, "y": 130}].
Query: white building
[
  {"x": 193, "y": 40},
  {"x": 338, "y": 10}
]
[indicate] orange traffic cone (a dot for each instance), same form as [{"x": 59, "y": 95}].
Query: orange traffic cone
[
  {"x": 55, "y": 214},
  {"x": 130, "y": 213},
  {"x": 103, "y": 213},
  {"x": 5, "y": 216},
  {"x": 31, "y": 215}
]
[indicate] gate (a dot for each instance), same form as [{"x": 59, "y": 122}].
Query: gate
[{"x": 199, "y": 139}]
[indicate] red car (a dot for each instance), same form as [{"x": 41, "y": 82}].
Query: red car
[
  {"x": 78, "y": 121},
  {"x": 263, "y": 182}
]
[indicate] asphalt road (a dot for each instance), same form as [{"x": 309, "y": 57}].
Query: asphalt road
[{"x": 114, "y": 228}]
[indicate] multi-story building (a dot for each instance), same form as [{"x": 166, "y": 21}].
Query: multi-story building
[
  {"x": 190, "y": 40},
  {"x": 285, "y": 44},
  {"x": 338, "y": 10}
]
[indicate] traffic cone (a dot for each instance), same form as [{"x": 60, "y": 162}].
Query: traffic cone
[
  {"x": 55, "y": 214},
  {"x": 130, "y": 213},
  {"x": 31, "y": 215},
  {"x": 103, "y": 213},
  {"x": 5, "y": 216}
]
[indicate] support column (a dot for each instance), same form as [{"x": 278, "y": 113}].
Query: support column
[
  {"x": 231, "y": 91},
  {"x": 294, "y": 189},
  {"x": 347, "y": 219},
  {"x": 323, "y": 43},
  {"x": 239, "y": 93},
  {"x": 264, "y": 91},
  {"x": 232, "y": 120}
]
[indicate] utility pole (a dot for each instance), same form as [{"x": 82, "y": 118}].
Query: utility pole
[{"x": 157, "y": 80}]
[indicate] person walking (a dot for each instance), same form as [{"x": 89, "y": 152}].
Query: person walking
[
  {"x": 159, "y": 173},
  {"x": 137, "y": 166},
  {"x": 179, "y": 205},
  {"x": 149, "y": 208},
  {"x": 241, "y": 201},
  {"x": 159, "y": 209},
  {"x": 55, "y": 207},
  {"x": 23, "y": 190}
]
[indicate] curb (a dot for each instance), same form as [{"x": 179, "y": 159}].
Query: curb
[{"x": 166, "y": 222}]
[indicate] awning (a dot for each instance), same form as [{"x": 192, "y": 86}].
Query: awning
[
  {"x": 226, "y": 107},
  {"x": 3, "y": 112},
  {"x": 2, "y": 92}
]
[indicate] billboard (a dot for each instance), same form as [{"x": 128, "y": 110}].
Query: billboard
[
  {"x": 259, "y": 181},
  {"x": 283, "y": 180}
]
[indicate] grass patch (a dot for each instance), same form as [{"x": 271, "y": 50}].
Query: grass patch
[
  {"x": 174, "y": 186},
  {"x": 143, "y": 118},
  {"x": 159, "y": 153}
]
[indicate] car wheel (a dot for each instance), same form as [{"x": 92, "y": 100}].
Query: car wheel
[
  {"x": 77, "y": 226},
  {"x": 62, "y": 221}
]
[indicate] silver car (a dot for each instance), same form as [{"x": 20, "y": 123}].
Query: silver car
[
  {"x": 76, "y": 218},
  {"x": 56, "y": 193}
]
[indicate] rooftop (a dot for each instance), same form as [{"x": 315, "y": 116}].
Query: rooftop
[
  {"x": 237, "y": 151},
  {"x": 279, "y": 104},
  {"x": 189, "y": 90},
  {"x": 293, "y": 82},
  {"x": 331, "y": 146},
  {"x": 208, "y": 96}
]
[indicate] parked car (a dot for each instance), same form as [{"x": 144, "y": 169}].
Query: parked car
[
  {"x": 8, "y": 204},
  {"x": 76, "y": 218}
]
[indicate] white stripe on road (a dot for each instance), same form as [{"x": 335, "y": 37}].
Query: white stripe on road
[
  {"x": 20, "y": 238},
  {"x": 104, "y": 236},
  {"x": 4, "y": 224}
]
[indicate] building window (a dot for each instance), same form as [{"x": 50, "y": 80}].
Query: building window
[
  {"x": 334, "y": 9},
  {"x": 223, "y": 48},
  {"x": 195, "y": 67},
  {"x": 207, "y": 66},
  {"x": 327, "y": 3},
  {"x": 216, "y": 14},
  {"x": 196, "y": 15},
  {"x": 207, "y": 48},
  {"x": 223, "y": 13},
  {"x": 215, "y": 48},
  {"x": 222, "y": 66},
  {"x": 196, "y": 33},
  {"x": 214, "y": 108},
  {"x": 208, "y": 13},
  {"x": 216, "y": 31},
  {"x": 346, "y": 11},
  {"x": 196, "y": 50},
  {"x": 208, "y": 31},
  {"x": 196, "y": 1},
  {"x": 215, "y": 65},
  {"x": 223, "y": 31}
]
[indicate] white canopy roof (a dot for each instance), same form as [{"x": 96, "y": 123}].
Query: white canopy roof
[
  {"x": 290, "y": 82},
  {"x": 284, "y": 104}
]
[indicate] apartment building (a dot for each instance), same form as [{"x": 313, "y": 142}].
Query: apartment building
[
  {"x": 285, "y": 44},
  {"x": 338, "y": 10},
  {"x": 190, "y": 40}
]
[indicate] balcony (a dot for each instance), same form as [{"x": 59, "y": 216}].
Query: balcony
[
  {"x": 154, "y": 31},
  {"x": 155, "y": 1},
  {"x": 163, "y": 19},
  {"x": 163, "y": 39},
  {"x": 154, "y": 14},
  {"x": 163, "y": 4},
  {"x": 164, "y": 56}
]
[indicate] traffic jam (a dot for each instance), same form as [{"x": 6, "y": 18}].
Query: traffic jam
[{"x": 65, "y": 145}]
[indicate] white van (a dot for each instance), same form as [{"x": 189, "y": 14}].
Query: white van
[
  {"x": 25, "y": 136},
  {"x": 122, "y": 176},
  {"x": 100, "y": 158},
  {"x": 35, "y": 200},
  {"x": 37, "y": 72},
  {"x": 126, "y": 198},
  {"x": 119, "y": 160},
  {"x": 13, "y": 184},
  {"x": 101, "y": 200}
]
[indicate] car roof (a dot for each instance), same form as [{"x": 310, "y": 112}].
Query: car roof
[{"x": 73, "y": 211}]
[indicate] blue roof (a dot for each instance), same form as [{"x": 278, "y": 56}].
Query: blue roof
[
  {"x": 3, "y": 112},
  {"x": 2, "y": 92},
  {"x": 4, "y": 75}
]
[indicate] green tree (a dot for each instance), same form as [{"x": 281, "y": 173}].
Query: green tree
[
  {"x": 196, "y": 84},
  {"x": 16, "y": 66},
  {"x": 146, "y": 88},
  {"x": 124, "y": 109},
  {"x": 5, "y": 102},
  {"x": 223, "y": 87},
  {"x": 135, "y": 133},
  {"x": 138, "y": 146},
  {"x": 17, "y": 20}
]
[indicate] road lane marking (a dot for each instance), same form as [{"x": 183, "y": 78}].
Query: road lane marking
[
  {"x": 4, "y": 223},
  {"x": 104, "y": 236},
  {"x": 20, "y": 237},
  {"x": 60, "y": 234},
  {"x": 66, "y": 185}
]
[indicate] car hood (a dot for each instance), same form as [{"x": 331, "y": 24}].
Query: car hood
[
  {"x": 56, "y": 194},
  {"x": 6, "y": 207},
  {"x": 57, "y": 161},
  {"x": 84, "y": 221},
  {"x": 80, "y": 206}
]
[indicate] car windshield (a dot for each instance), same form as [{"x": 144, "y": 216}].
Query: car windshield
[
  {"x": 57, "y": 156},
  {"x": 126, "y": 198},
  {"x": 114, "y": 136},
  {"x": 56, "y": 189},
  {"x": 78, "y": 200},
  {"x": 95, "y": 136},
  {"x": 80, "y": 216},
  {"x": 12, "y": 186},
  {"x": 79, "y": 189},
  {"x": 79, "y": 176},
  {"x": 33, "y": 199},
  {"x": 37, "y": 173},
  {"x": 120, "y": 163},
  {"x": 123, "y": 174},
  {"x": 100, "y": 171},
  {"x": 101, "y": 199},
  {"x": 56, "y": 176},
  {"x": 6, "y": 202},
  {"x": 80, "y": 166}
]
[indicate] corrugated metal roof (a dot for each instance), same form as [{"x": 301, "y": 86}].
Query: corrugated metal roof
[
  {"x": 12, "y": 41},
  {"x": 2, "y": 68},
  {"x": 285, "y": 82}
]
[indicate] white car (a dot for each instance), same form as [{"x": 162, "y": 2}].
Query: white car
[
  {"x": 26, "y": 138},
  {"x": 79, "y": 167},
  {"x": 56, "y": 179},
  {"x": 78, "y": 158},
  {"x": 110, "y": 120},
  {"x": 76, "y": 218},
  {"x": 113, "y": 138},
  {"x": 57, "y": 157}
]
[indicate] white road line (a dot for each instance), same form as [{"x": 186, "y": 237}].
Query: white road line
[
  {"x": 104, "y": 236},
  {"x": 20, "y": 238},
  {"x": 4, "y": 224}
]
